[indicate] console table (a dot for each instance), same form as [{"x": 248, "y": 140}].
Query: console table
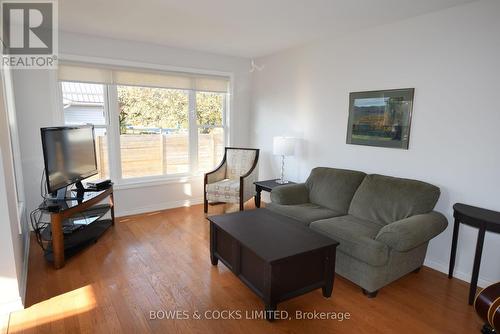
[
  {"x": 266, "y": 185},
  {"x": 61, "y": 210},
  {"x": 484, "y": 220}
]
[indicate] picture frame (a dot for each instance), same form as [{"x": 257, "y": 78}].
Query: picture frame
[{"x": 380, "y": 118}]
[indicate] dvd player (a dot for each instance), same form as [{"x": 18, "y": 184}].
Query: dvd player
[{"x": 99, "y": 184}]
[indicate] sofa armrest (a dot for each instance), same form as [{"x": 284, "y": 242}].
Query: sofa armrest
[
  {"x": 406, "y": 234},
  {"x": 290, "y": 194}
]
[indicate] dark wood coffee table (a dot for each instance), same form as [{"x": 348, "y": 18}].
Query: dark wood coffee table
[{"x": 275, "y": 256}]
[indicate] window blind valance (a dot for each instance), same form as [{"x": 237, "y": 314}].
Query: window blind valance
[{"x": 173, "y": 80}]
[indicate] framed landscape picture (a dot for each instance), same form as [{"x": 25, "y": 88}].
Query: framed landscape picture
[{"x": 380, "y": 118}]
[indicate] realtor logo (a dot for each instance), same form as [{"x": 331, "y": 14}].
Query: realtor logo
[{"x": 29, "y": 34}]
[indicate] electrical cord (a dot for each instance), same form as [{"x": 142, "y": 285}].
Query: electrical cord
[
  {"x": 38, "y": 226},
  {"x": 43, "y": 186},
  {"x": 44, "y": 190}
]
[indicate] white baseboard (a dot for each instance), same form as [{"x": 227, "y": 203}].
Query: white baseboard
[
  {"x": 11, "y": 306},
  {"x": 158, "y": 207},
  {"x": 443, "y": 267},
  {"x": 24, "y": 276}
]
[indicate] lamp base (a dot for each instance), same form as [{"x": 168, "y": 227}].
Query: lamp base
[{"x": 279, "y": 181}]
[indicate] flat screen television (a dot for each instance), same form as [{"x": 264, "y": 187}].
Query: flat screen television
[{"x": 70, "y": 156}]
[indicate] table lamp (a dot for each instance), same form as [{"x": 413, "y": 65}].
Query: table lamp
[{"x": 284, "y": 146}]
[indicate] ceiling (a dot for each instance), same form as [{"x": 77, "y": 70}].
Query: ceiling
[{"x": 250, "y": 28}]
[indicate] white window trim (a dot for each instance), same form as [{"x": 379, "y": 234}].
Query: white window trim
[
  {"x": 113, "y": 114},
  {"x": 114, "y": 156},
  {"x": 156, "y": 181},
  {"x": 7, "y": 97},
  {"x": 193, "y": 134}
]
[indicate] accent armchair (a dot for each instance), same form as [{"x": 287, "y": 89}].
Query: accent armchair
[{"x": 232, "y": 181}]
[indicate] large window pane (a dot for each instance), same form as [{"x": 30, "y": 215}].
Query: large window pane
[
  {"x": 154, "y": 134},
  {"x": 101, "y": 149},
  {"x": 209, "y": 108},
  {"x": 209, "y": 115},
  {"x": 210, "y": 148},
  {"x": 83, "y": 103}
]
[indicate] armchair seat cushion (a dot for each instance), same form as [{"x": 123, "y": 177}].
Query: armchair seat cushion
[
  {"x": 356, "y": 237},
  {"x": 305, "y": 213},
  {"x": 226, "y": 190}
]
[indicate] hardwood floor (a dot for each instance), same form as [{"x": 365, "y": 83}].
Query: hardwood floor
[
  {"x": 160, "y": 261},
  {"x": 4, "y": 321}
]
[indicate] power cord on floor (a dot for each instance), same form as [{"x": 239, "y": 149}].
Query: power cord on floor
[{"x": 38, "y": 227}]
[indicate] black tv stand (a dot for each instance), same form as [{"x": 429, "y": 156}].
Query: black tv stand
[{"x": 63, "y": 210}]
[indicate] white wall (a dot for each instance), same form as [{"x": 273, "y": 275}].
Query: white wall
[
  {"x": 12, "y": 243},
  {"x": 452, "y": 58},
  {"x": 9, "y": 288},
  {"x": 35, "y": 92}
]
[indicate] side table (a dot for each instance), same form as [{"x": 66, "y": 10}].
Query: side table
[
  {"x": 484, "y": 220},
  {"x": 266, "y": 185}
]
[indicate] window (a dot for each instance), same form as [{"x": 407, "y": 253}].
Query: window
[
  {"x": 154, "y": 131},
  {"x": 209, "y": 118},
  {"x": 153, "y": 124},
  {"x": 84, "y": 103}
]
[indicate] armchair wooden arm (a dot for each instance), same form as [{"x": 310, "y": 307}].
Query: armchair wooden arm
[
  {"x": 248, "y": 179},
  {"x": 213, "y": 176}
]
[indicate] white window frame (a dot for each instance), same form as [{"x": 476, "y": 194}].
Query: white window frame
[
  {"x": 223, "y": 126},
  {"x": 107, "y": 120},
  {"x": 112, "y": 118},
  {"x": 115, "y": 110},
  {"x": 7, "y": 98}
]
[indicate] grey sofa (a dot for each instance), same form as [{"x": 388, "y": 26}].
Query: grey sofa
[{"x": 383, "y": 223}]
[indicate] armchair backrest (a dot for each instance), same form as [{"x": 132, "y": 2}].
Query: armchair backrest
[{"x": 240, "y": 161}]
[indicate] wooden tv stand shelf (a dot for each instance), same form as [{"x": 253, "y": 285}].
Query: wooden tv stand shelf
[{"x": 61, "y": 210}]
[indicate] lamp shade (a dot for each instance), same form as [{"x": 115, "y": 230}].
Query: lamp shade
[{"x": 284, "y": 146}]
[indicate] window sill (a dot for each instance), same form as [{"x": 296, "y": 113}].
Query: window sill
[{"x": 154, "y": 182}]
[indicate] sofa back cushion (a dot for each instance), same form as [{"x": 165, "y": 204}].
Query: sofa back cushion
[
  {"x": 333, "y": 188},
  {"x": 386, "y": 199}
]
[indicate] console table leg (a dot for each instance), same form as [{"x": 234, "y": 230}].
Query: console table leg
[
  {"x": 454, "y": 241},
  {"x": 57, "y": 241},
  {"x": 258, "y": 192},
  {"x": 477, "y": 263}
]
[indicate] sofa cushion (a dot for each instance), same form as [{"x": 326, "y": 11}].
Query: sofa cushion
[
  {"x": 333, "y": 188},
  {"x": 356, "y": 238},
  {"x": 386, "y": 199},
  {"x": 305, "y": 213}
]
